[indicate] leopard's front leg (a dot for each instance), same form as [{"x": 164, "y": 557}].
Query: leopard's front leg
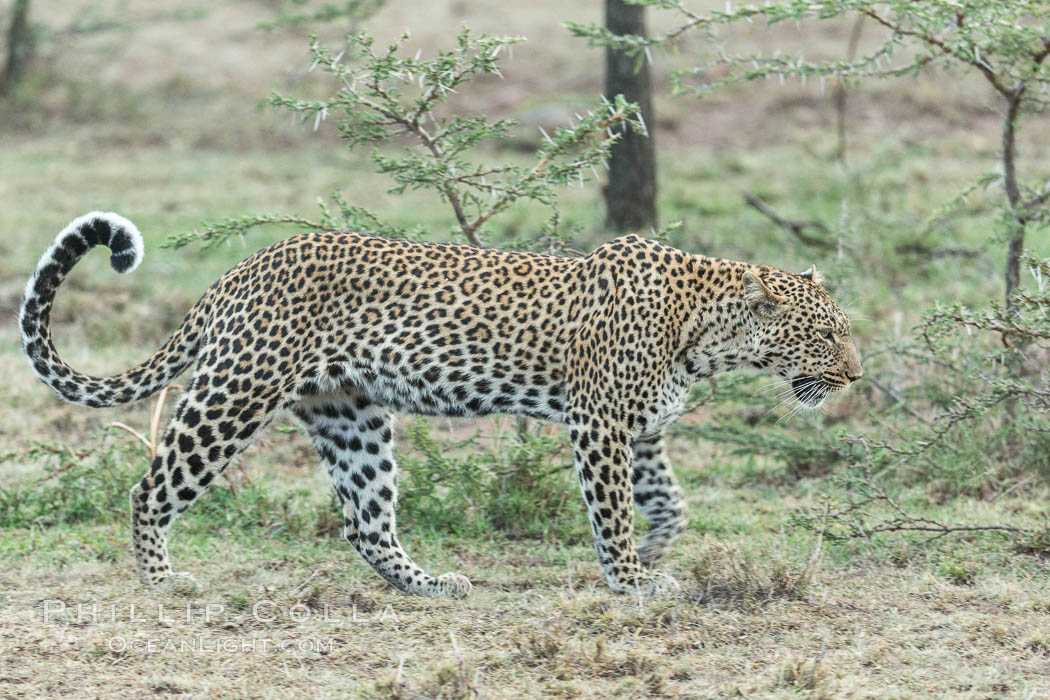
[{"x": 602, "y": 455}]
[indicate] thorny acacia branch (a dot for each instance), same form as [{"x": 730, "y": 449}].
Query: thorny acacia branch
[
  {"x": 384, "y": 98},
  {"x": 861, "y": 523}
]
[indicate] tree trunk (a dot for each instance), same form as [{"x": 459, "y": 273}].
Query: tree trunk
[
  {"x": 630, "y": 197},
  {"x": 19, "y": 45},
  {"x": 840, "y": 92},
  {"x": 1015, "y": 246},
  {"x": 1013, "y": 195}
]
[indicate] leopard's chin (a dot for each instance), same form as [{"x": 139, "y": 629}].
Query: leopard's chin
[{"x": 810, "y": 391}]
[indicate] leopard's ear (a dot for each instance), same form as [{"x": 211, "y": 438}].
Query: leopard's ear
[
  {"x": 813, "y": 276},
  {"x": 763, "y": 301}
]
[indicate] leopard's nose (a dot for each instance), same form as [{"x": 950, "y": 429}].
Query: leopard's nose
[{"x": 855, "y": 377}]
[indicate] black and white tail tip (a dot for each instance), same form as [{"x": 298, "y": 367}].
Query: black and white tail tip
[
  {"x": 78, "y": 237},
  {"x": 105, "y": 228},
  {"x": 84, "y": 233},
  {"x": 71, "y": 244}
]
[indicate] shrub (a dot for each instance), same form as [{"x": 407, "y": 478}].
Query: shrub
[{"x": 515, "y": 487}]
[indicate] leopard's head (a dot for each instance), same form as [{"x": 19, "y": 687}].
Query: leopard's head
[{"x": 800, "y": 334}]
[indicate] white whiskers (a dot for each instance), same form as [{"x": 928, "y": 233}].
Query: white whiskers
[{"x": 809, "y": 389}]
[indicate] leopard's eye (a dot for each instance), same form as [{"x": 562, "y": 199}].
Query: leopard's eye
[{"x": 829, "y": 335}]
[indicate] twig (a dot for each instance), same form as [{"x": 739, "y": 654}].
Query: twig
[
  {"x": 806, "y": 577},
  {"x": 65, "y": 467},
  {"x": 154, "y": 423},
  {"x": 919, "y": 248},
  {"x": 1019, "y": 484},
  {"x": 76, "y": 457},
  {"x": 1004, "y": 331},
  {"x": 538, "y": 169},
  {"x": 137, "y": 434},
  {"x": 904, "y": 521},
  {"x": 946, "y": 50},
  {"x": 796, "y": 228},
  {"x": 896, "y": 397},
  {"x": 309, "y": 578}
]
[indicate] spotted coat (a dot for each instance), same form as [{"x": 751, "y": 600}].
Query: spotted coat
[{"x": 340, "y": 329}]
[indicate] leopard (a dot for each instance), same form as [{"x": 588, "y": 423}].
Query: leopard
[{"x": 341, "y": 330}]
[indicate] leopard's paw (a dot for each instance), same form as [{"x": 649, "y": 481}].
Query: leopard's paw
[
  {"x": 452, "y": 585},
  {"x": 651, "y": 552},
  {"x": 178, "y": 582},
  {"x": 650, "y": 584}
]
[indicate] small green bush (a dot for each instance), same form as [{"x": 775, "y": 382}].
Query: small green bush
[
  {"x": 516, "y": 488},
  {"x": 82, "y": 487},
  {"x": 93, "y": 487},
  {"x": 958, "y": 570}
]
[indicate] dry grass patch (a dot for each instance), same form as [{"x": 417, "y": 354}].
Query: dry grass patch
[
  {"x": 726, "y": 574},
  {"x": 864, "y": 632}
]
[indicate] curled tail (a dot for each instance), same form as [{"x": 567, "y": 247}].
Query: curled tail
[{"x": 125, "y": 244}]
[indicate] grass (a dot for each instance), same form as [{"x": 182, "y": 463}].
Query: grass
[
  {"x": 862, "y": 632},
  {"x": 763, "y": 612},
  {"x": 767, "y": 610}
]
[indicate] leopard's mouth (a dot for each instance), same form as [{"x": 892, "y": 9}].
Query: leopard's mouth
[{"x": 810, "y": 391}]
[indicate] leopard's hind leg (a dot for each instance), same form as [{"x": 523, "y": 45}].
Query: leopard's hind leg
[
  {"x": 354, "y": 438},
  {"x": 657, "y": 495},
  {"x": 212, "y": 422}
]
